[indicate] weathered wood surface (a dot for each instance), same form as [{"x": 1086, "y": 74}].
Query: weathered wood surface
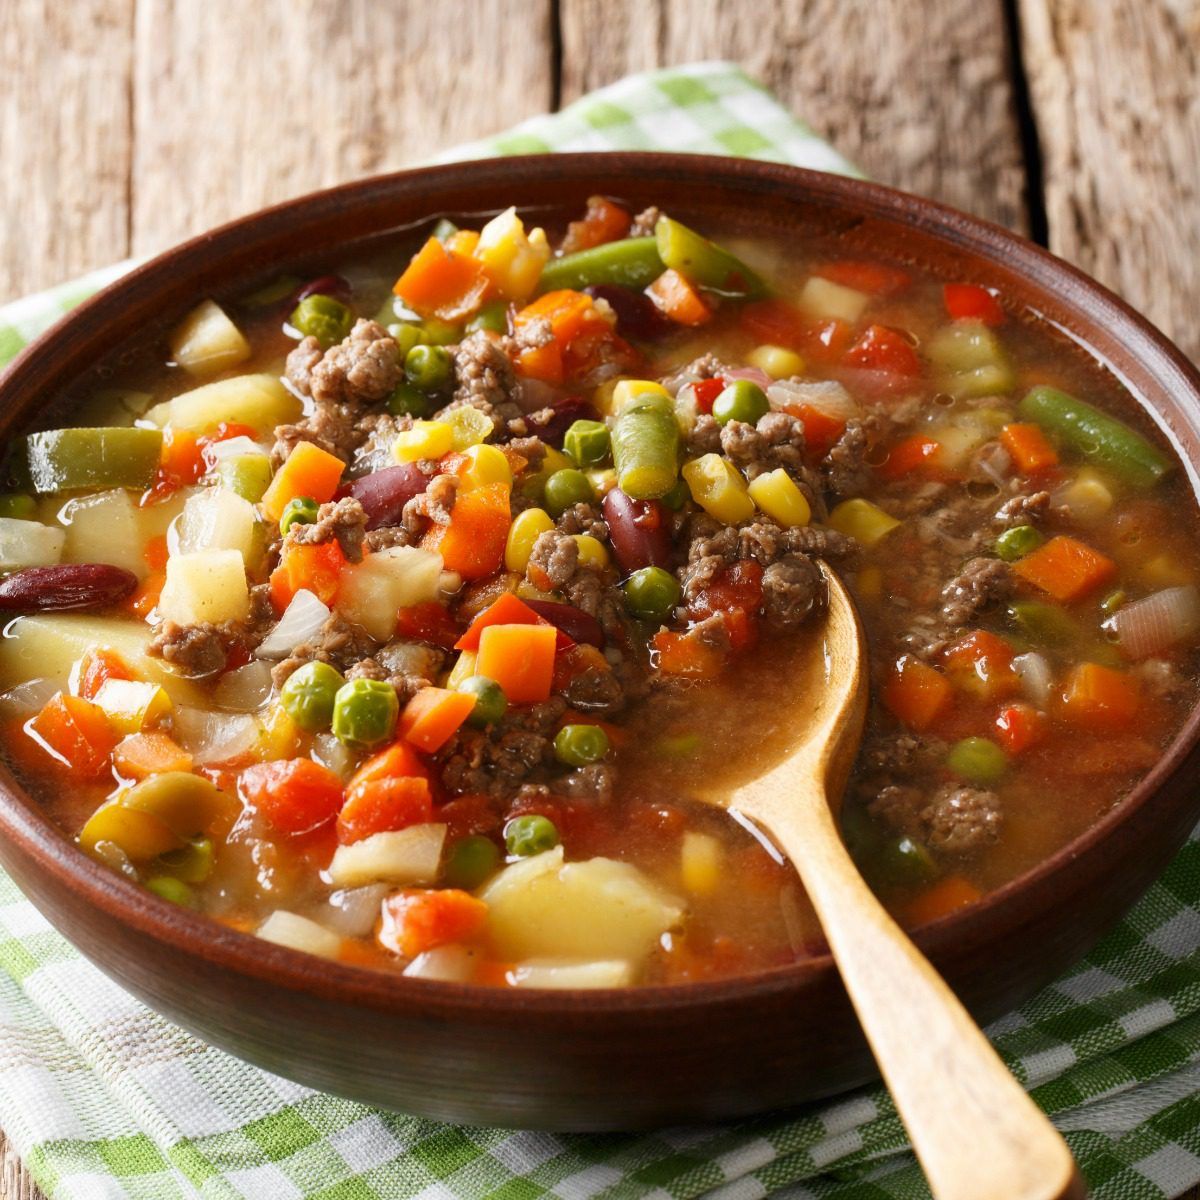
[{"x": 126, "y": 126}]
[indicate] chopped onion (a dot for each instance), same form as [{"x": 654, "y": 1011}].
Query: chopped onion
[
  {"x": 994, "y": 461},
  {"x": 1156, "y": 622},
  {"x": 215, "y": 737},
  {"x": 245, "y": 689},
  {"x": 753, "y": 374},
  {"x": 401, "y": 856},
  {"x": 301, "y": 621},
  {"x": 1035, "y": 675},
  {"x": 452, "y": 964},
  {"x": 826, "y": 396},
  {"x": 27, "y": 698},
  {"x": 234, "y": 447},
  {"x": 560, "y": 974},
  {"x": 354, "y": 911},
  {"x": 299, "y": 933},
  {"x": 333, "y": 753}
]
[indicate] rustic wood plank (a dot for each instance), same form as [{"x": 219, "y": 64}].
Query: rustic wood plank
[
  {"x": 1116, "y": 96},
  {"x": 15, "y": 1181},
  {"x": 239, "y": 105},
  {"x": 919, "y": 99},
  {"x": 65, "y": 128}
]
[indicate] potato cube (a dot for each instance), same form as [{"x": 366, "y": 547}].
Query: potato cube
[{"x": 206, "y": 585}]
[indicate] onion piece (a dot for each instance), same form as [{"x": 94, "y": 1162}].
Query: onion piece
[
  {"x": 299, "y": 933},
  {"x": 234, "y": 447},
  {"x": 302, "y": 620},
  {"x": 1033, "y": 670},
  {"x": 27, "y": 698},
  {"x": 1156, "y": 622},
  {"x": 451, "y": 964},
  {"x": 753, "y": 374},
  {"x": 825, "y": 396},
  {"x": 354, "y": 911},
  {"x": 245, "y": 689},
  {"x": 215, "y": 737}
]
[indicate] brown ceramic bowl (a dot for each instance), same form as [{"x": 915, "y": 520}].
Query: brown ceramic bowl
[{"x": 620, "y": 1059}]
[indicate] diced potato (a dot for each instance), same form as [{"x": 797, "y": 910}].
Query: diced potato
[
  {"x": 374, "y": 590},
  {"x": 700, "y": 860},
  {"x": 106, "y": 527},
  {"x": 512, "y": 258},
  {"x": 29, "y": 544},
  {"x": 132, "y": 705},
  {"x": 260, "y": 401},
  {"x": 299, "y": 933},
  {"x": 404, "y": 856},
  {"x": 824, "y": 298},
  {"x": 972, "y": 360},
  {"x": 594, "y": 910},
  {"x": 558, "y": 974},
  {"x": 217, "y": 519},
  {"x": 1087, "y": 497},
  {"x": 452, "y": 964},
  {"x": 206, "y": 585},
  {"x": 207, "y": 341},
  {"x": 959, "y": 441}
]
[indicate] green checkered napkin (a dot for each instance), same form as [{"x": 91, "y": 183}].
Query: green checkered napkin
[{"x": 104, "y": 1099}]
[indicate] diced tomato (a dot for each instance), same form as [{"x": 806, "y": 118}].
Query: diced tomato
[
  {"x": 1100, "y": 699},
  {"x": 384, "y": 805},
  {"x": 916, "y": 693},
  {"x": 981, "y": 663},
  {"x": 821, "y": 342},
  {"x": 874, "y": 278},
  {"x": 295, "y": 795},
  {"x": 182, "y": 456},
  {"x": 736, "y": 593},
  {"x": 317, "y": 568},
  {"x": 603, "y": 222},
  {"x": 706, "y": 391},
  {"x": 429, "y": 622},
  {"x": 416, "y": 920},
  {"x": 970, "y": 302},
  {"x": 97, "y": 665},
  {"x": 883, "y": 349},
  {"x": 574, "y": 661},
  {"x": 820, "y": 429},
  {"x": 825, "y": 342},
  {"x": 686, "y": 655},
  {"x": 913, "y": 455},
  {"x": 658, "y": 820},
  {"x": 75, "y": 733},
  {"x": 1018, "y": 727}
]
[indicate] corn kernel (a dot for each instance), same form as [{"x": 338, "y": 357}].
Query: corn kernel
[
  {"x": 526, "y": 528},
  {"x": 718, "y": 488},
  {"x": 869, "y": 584},
  {"x": 862, "y": 520},
  {"x": 470, "y": 426},
  {"x": 700, "y": 863},
  {"x": 484, "y": 465},
  {"x": 591, "y": 550},
  {"x": 628, "y": 389},
  {"x": 131, "y": 706},
  {"x": 778, "y": 362},
  {"x": 1088, "y": 497},
  {"x": 555, "y": 460},
  {"x": 281, "y": 736},
  {"x": 426, "y": 439},
  {"x": 602, "y": 479},
  {"x": 464, "y": 668},
  {"x": 512, "y": 258},
  {"x": 778, "y": 496}
]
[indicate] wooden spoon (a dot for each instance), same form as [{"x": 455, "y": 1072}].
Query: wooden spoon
[{"x": 975, "y": 1130}]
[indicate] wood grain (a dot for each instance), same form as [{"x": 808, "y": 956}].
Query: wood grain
[
  {"x": 919, "y": 98},
  {"x": 1117, "y": 106},
  {"x": 65, "y": 130}
]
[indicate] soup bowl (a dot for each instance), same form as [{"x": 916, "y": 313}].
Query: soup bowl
[{"x": 610, "y": 1059}]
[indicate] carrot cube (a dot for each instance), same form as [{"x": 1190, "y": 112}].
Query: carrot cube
[
  {"x": 1066, "y": 568},
  {"x": 1029, "y": 447},
  {"x": 433, "y": 715},
  {"x": 415, "y": 921},
  {"x": 473, "y": 543},
  {"x": 520, "y": 658},
  {"x": 381, "y": 805},
  {"x": 308, "y": 471},
  {"x": 1100, "y": 699},
  {"x": 441, "y": 282},
  {"x": 916, "y": 693}
]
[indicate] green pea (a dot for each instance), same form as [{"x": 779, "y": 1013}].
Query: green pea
[
  {"x": 439, "y": 333},
  {"x": 18, "y": 505},
  {"x": 309, "y": 693},
  {"x": 906, "y": 861},
  {"x": 365, "y": 712},
  {"x": 678, "y": 496},
  {"x": 977, "y": 760},
  {"x": 588, "y": 442},
  {"x": 530, "y": 834},
  {"x": 493, "y": 317},
  {"x": 578, "y": 745},
  {"x": 192, "y": 863},
  {"x": 490, "y": 701},
  {"x": 171, "y": 889},
  {"x": 471, "y": 861},
  {"x": 1016, "y": 543},
  {"x": 407, "y": 401},
  {"x": 566, "y": 488},
  {"x": 428, "y": 367},
  {"x": 322, "y": 317},
  {"x": 406, "y": 336},
  {"x": 651, "y": 593},
  {"x": 741, "y": 401},
  {"x": 300, "y": 510}
]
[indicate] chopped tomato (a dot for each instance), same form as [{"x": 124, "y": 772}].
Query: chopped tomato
[
  {"x": 874, "y": 278},
  {"x": 981, "y": 663},
  {"x": 820, "y": 429},
  {"x": 416, "y": 920},
  {"x": 685, "y": 654},
  {"x": 706, "y": 391},
  {"x": 821, "y": 342},
  {"x": 155, "y": 553},
  {"x": 913, "y": 455},
  {"x": 466, "y": 815},
  {"x": 603, "y": 222},
  {"x": 1018, "y": 727},
  {"x": 317, "y": 568},
  {"x": 182, "y": 456},
  {"x": 429, "y": 622},
  {"x": 970, "y": 302},
  {"x": 75, "y": 733},
  {"x": 736, "y": 593},
  {"x": 916, "y": 693},
  {"x": 883, "y": 349},
  {"x": 295, "y": 795},
  {"x": 383, "y": 805}
]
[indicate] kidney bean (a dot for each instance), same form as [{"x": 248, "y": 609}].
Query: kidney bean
[
  {"x": 72, "y": 585},
  {"x": 574, "y": 622},
  {"x": 326, "y": 285},
  {"x": 637, "y": 530},
  {"x": 383, "y": 494},
  {"x": 637, "y": 317},
  {"x": 552, "y": 427}
]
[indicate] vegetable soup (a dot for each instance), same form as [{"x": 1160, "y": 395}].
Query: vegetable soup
[{"x": 401, "y": 613}]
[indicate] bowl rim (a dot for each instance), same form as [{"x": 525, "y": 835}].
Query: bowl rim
[{"x": 194, "y": 934}]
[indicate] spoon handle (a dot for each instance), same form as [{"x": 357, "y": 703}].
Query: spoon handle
[{"x": 975, "y": 1130}]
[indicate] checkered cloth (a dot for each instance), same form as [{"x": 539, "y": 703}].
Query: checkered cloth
[{"x": 104, "y": 1099}]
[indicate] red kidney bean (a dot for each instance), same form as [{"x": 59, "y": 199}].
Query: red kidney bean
[
  {"x": 552, "y": 427},
  {"x": 637, "y": 316},
  {"x": 326, "y": 285},
  {"x": 574, "y": 622},
  {"x": 385, "y": 493},
  {"x": 638, "y": 531},
  {"x": 72, "y": 585}
]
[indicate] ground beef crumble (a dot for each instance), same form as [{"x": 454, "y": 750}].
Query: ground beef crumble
[
  {"x": 983, "y": 583},
  {"x": 343, "y": 521},
  {"x": 955, "y": 822},
  {"x": 484, "y": 377},
  {"x": 339, "y": 643}
]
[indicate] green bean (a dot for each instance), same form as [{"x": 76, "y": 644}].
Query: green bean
[
  {"x": 1016, "y": 543},
  {"x": 62, "y": 460},
  {"x": 299, "y": 510},
  {"x": 1096, "y": 436},
  {"x": 249, "y": 475},
  {"x": 587, "y": 442},
  {"x": 704, "y": 262},
  {"x": 631, "y": 263},
  {"x": 645, "y": 448}
]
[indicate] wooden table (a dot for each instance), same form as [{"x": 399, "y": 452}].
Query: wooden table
[{"x": 127, "y": 126}]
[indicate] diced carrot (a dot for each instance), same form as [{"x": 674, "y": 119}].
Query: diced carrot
[
  {"x": 308, "y": 471},
  {"x": 428, "y": 622},
  {"x": 970, "y": 302},
  {"x": 97, "y": 665},
  {"x": 603, "y": 222},
  {"x": 473, "y": 543},
  {"x": 1029, "y": 447},
  {"x": 913, "y": 455},
  {"x": 520, "y": 658},
  {"x": 1018, "y": 727},
  {"x": 1100, "y": 699},
  {"x": 685, "y": 654},
  {"x": 874, "y": 278},
  {"x": 398, "y": 761},
  {"x": 544, "y": 363},
  {"x": 433, "y": 715},
  {"x": 383, "y": 805},
  {"x": 981, "y": 663},
  {"x": 1066, "y": 568},
  {"x": 916, "y": 693},
  {"x": 463, "y": 241},
  {"x": 144, "y": 600},
  {"x": 418, "y": 920},
  {"x": 883, "y": 349},
  {"x": 143, "y": 754},
  {"x": 439, "y": 282},
  {"x": 76, "y": 733},
  {"x": 821, "y": 429},
  {"x": 945, "y": 896},
  {"x": 574, "y": 661},
  {"x": 506, "y": 610},
  {"x": 155, "y": 552},
  {"x": 317, "y": 569},
  {"x": 568, "y": 312},
  {"x": 678, "y": 299},
  {"x": 295, "y": 795}
]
